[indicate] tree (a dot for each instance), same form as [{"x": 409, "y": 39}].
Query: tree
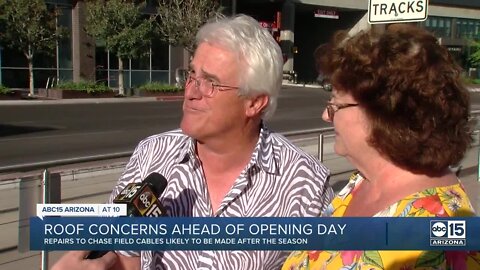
[
  {"x": 475, "y": 56},
  {"x": 123, "y": 28},
  {"x": 179, "y": 20},
  {"x": 28, "y": 26}
]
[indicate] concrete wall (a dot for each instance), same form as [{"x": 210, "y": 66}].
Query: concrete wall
[
  {"x": 310, "y": 31},
  {"x": 447, "y": 8},
  {"x": 351, "y": 4},
  {"x": 456, "y": 12},
  {"x": 458, "y": 3},
  {"x": 83, "y": 46}
]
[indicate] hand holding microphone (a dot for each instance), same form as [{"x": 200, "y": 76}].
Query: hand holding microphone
[
  {"x": 74, "y": 260},
  {"x": 142, "y": 201}
]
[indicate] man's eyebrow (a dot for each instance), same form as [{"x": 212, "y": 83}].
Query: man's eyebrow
[
  {"x": 205, "y": 74},
  {"x": 210, "y": 75}
]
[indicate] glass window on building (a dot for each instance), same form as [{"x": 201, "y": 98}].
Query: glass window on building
[
  {"x": 56, "y": 63},
  {"x": 141, "y": 63},
  {"x": 159, "y": 55},
  {"x": 65, "y": 45},
  {"x": 101, "y": 63},
  {"x": 440, "y": 26},
  {"x": 152, "y": 66},
  {"x": 160, "y": 61},
  {"x": 13, "y": 58},
  {"x": 468, "y": 28},
  {"x": 448, "y": 28},
  {"x": 140, "y": 70},
  {"x": 64, "y": 57},
  {"x": 114, "y": 61}
]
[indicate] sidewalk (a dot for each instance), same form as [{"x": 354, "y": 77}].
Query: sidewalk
[
  {"x": 473, "y": 89},
  {"x": 102, "y": 184},
  {"x": 89, "y": 100},
  {"x": 127, "y": 99},
  {"x": 88, "y": 186}
]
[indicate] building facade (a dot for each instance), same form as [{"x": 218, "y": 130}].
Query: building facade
[
  {"x": 298, "y": 25},
  {"x": 79, "y": 57},
  {"x": 305, "y": 24}
]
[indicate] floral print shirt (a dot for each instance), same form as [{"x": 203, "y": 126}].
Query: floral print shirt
[{"x": 446, "y": 201}]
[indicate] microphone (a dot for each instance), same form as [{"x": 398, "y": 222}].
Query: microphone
[
  {"x": 142, "y": 198},
  {"x": 142, "y": 201}
]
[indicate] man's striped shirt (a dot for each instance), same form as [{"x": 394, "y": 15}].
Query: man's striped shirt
[{"x": 280, "y": 181}]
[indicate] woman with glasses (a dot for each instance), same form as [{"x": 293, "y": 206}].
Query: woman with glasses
[{"x": 400, "y": 114}]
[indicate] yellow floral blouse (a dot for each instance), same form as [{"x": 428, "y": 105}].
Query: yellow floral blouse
[{"x": 434, "y": 202}]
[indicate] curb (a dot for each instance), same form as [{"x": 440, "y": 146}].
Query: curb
[
  {"x": 301, "y": 85},
  {"x": 89, "y": 100},
  {"x": 138, "y": 99},
  {"x": 169, "y": 98},
  {"x": 474, "y": 89}
]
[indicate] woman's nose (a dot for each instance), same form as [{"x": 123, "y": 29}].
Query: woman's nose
[{"x": 325, "y": 116}]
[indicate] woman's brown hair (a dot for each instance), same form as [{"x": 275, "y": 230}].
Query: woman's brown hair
[{"x": 411, "y": 91}]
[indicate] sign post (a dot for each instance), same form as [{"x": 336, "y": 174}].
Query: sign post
[{"x": 397, "y": 11}]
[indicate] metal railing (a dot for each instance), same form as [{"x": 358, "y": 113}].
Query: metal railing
[{"x": 317, "y": 134}]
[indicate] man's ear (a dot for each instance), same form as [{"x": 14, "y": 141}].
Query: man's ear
[{"x": 255, "y": 105}]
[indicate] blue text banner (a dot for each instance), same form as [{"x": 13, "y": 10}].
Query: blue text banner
[{"x": 128, "y": 233}]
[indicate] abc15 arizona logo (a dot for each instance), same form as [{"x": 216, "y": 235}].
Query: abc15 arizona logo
[{"x": 448, "y": 233}]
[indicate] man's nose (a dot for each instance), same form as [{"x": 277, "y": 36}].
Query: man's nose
[{"x": 192, "y": 91}]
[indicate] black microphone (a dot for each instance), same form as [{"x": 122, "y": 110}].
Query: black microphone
[
  {"x": 142, "y": 198},
  {"x": 142, "y": 201}
]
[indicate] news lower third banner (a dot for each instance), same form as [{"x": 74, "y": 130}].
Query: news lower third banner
[{"x": 165, "y": 233}]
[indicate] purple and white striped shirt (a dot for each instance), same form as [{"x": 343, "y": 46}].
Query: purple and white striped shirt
[{"x": 280, "y": 180}]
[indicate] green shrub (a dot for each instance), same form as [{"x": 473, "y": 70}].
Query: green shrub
[
  {"x": 89, "y": 87},
  {"x": 160, "y": 87},
  {"x": 467, "y": 80},
  {"x": 4, "y": 90}
]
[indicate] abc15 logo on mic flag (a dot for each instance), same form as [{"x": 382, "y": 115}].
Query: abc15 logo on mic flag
[
  {"x": 146, "y": 204},
  {"x": 141, "y": 200},
  {"x": 448, "y": 233}
]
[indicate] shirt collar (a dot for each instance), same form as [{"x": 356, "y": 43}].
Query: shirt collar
[
  {"x": 266, "y": 155},
  {"x": 187, "y": 150}
]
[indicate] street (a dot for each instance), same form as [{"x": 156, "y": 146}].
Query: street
[
  {"x": 55, "y": 131},
  {"x": 35, "y": 133}
]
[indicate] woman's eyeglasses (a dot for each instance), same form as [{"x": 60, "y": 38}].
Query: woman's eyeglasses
[{"x": 332, "y": 108}]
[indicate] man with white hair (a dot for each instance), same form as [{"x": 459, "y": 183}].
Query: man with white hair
[{"x": 223, "y": 161}]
